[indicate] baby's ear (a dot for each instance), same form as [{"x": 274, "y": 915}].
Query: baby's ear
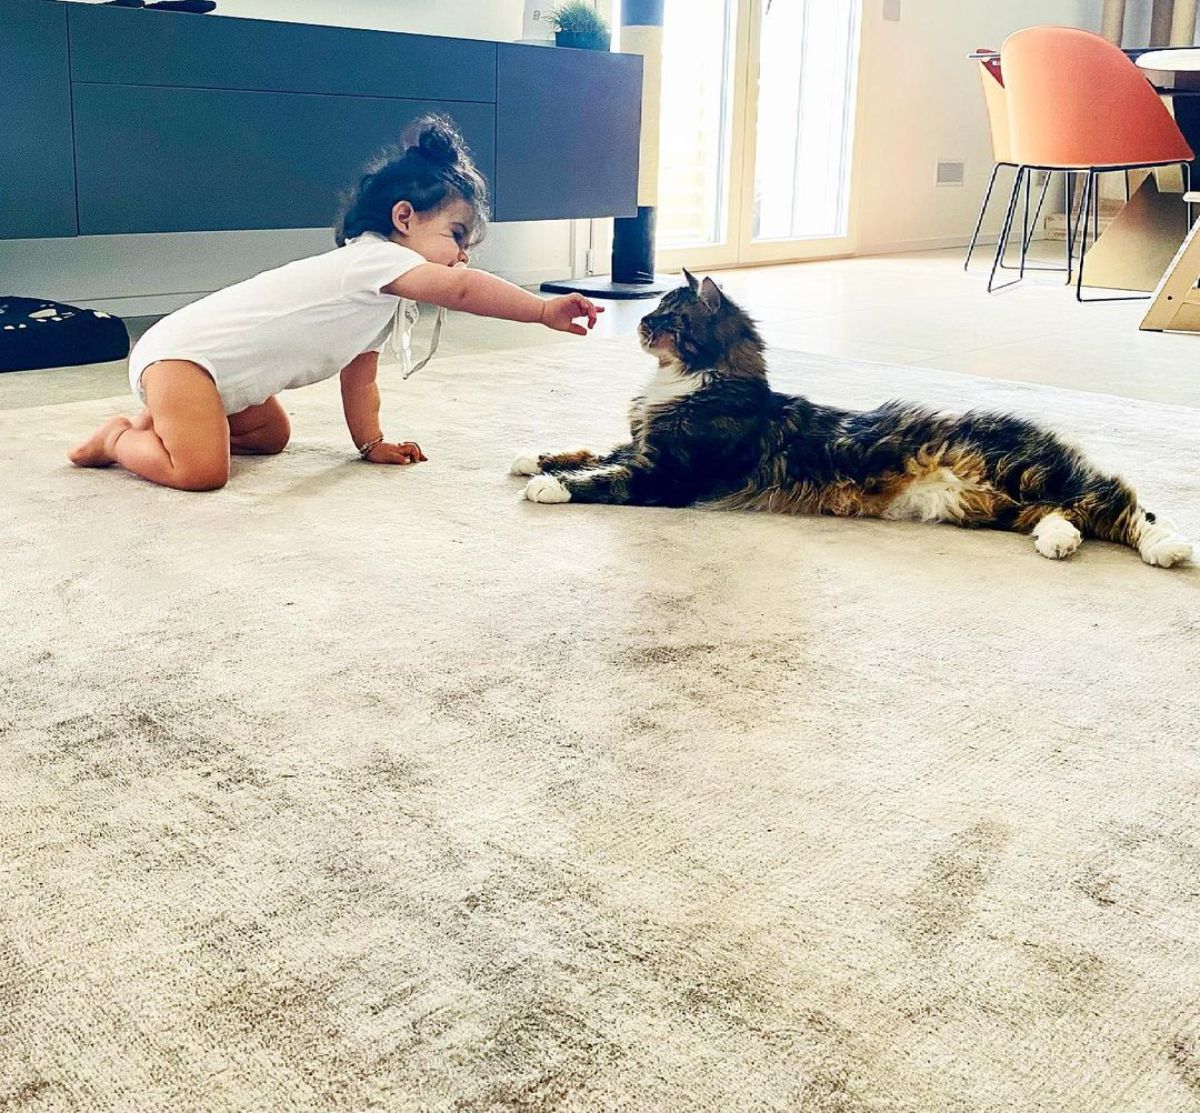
[
  {"x": 402, "y": 212},
  {"x": 710, "y": 294}
]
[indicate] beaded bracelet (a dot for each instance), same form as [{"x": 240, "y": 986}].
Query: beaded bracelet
[{"x": 364, "y": 450}]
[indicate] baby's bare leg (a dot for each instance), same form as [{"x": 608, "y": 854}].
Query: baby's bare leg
[
  {"x": 262, "y": 430},
  {"x": 97, "y": 450},
  {"x": 181, "y": 441}
]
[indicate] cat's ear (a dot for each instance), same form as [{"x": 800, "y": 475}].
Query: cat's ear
[
  {"x": 710, "y": 294},
  {"x": 691, "y": 280}
]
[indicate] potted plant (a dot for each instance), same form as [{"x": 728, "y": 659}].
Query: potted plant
[{"x": 578, "y": 24}]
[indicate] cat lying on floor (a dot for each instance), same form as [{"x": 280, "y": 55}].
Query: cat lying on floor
[{"x": 709, "y": 430}]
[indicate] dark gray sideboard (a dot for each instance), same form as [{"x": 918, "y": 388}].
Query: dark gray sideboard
[
  {"x": 122, "y": 120},
  {"x": 37, "y": 161}
]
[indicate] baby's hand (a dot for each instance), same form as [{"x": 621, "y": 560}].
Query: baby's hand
[
  {"x": 560, "y": 313},
  {"x": 407, "y": 452}
]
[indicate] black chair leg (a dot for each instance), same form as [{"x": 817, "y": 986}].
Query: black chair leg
[
  {"x": 1031, "y": 227},
  {"x": 1025, "y": 226},
  {"x": 1069, "y": 183},
  {"x": 982, "y": 210},
  {"x": 1041, "y": 202},
  {"x": 1002, "y": 244}
]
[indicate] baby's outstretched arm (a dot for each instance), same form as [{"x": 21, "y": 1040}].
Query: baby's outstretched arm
[
  {"x": 360, "y": 401},
  {"x": 488, "y": 296}
]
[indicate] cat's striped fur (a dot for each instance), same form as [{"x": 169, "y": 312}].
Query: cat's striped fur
[{"x": 709, "y": 430}]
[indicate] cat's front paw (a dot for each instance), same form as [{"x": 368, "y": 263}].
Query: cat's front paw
[
  {"x": 545, "y": 488},
  {"x": 1055, "y": 537},
  {"x": 525, "y": 465}
]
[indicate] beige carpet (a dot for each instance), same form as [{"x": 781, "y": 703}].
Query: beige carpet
[{"x": 358, "y": 788}]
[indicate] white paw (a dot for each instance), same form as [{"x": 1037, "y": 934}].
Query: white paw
[
  {"x": 1160, "y": 544},
  {"x": 1165, "y": 550},
  {"x": 545, "y": 488},
  {"x": 1055, "y": 537},
  {"x": 525, "y": 465}
]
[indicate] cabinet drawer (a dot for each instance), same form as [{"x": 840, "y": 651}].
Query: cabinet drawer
[
  {"x": 130, "y": 46},
  {"x": 37, "y": 169},
  {"x": 185, "y": 160},
  {"x": 567, "y": 129}
]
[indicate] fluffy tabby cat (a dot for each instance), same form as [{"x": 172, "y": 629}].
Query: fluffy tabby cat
[{"x": 709, "y": 429}]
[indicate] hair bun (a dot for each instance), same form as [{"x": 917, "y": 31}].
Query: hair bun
[{"x": 435, "y": 138}]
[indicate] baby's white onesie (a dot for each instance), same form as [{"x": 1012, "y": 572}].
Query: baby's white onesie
[{"x": 287, "y": 327}]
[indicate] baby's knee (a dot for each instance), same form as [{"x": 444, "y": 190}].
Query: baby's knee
[
  {"x": 268, "y": 438},
  {"x": 202, "y": 476},
  {"x": 275, "y": 439}
]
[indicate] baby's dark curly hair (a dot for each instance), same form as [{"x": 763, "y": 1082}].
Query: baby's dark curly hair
[{"x": 433, "y": 168}]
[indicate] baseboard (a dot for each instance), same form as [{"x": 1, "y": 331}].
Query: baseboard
[
  {"x": 147, "y": 305},
  {"x": 935, "y": 243}
]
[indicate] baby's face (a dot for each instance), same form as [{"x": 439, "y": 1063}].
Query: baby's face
[{"x": 440, "y": 235}]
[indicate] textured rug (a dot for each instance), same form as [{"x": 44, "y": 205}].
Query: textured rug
[{"x": 365, "y": 788}]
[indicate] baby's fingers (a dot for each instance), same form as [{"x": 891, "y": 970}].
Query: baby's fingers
[
  {"x": 585, "y": 308},
  {"x": 592, "y": 310}
]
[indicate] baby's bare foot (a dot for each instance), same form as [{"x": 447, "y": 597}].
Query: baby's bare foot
[{"x": 97, "y": 450}]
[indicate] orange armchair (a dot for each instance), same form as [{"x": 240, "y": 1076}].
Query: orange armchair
[
  {"x": 995, "y": 98},
  {"x": 1077, "y": 104}
]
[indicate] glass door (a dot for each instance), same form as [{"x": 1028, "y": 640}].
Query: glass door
[
  {"x": 700, "y": 140},
  {"x": 757, "y": 130}
]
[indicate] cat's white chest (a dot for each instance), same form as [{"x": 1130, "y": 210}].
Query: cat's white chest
[{"x": 669, "y": 384}]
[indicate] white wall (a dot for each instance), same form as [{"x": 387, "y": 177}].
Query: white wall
[
  {"x": 921, "y": 102},
  {"x": 132, "y": 275}
]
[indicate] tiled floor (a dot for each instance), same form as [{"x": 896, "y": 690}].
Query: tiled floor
[{"x": 916, "y": 309}]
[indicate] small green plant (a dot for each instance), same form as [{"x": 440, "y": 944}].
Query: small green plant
[{"x": 579, "y": 18}]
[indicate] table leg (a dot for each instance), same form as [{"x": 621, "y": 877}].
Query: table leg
[{"x": 1138, "y": 246}]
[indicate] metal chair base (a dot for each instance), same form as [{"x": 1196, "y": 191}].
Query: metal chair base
[{"x": 1077, "y": 224}]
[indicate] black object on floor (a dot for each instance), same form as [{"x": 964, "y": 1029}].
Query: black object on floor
[
  {"x": 35, "y": 333},
  {"x": 198, "y": 6}
]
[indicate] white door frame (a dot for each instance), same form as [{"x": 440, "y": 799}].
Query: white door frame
[{"x": 739, "y": 248}]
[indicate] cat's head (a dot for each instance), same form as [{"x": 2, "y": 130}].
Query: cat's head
[{"x": 699, "y": 328}]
